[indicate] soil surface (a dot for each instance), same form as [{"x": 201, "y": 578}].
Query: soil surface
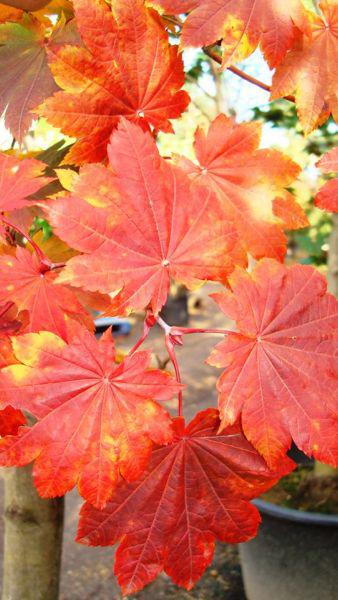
[
  {"x": 303, "y": 490},
  {"x": 87, "y": 572}
]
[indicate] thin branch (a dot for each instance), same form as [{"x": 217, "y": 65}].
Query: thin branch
[{"x": 264, "y": 86}]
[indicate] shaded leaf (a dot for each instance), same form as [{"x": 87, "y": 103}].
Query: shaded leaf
[
  {"x": 26, "y": 78},
  {"x": 194, "y": 491},
  {"x": 19, "y": 179}
]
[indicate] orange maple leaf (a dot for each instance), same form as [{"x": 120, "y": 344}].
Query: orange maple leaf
[
  {"x": 309, "y": 69},
  {"x": 242, "y": 25},
  {"x": 287, "y": 334},
  {"x": 250, "y": 184},
  {"x": 96, "y": 418},
  {"x": 327, "y": 197},
  {"x": 127, "y": 68}
]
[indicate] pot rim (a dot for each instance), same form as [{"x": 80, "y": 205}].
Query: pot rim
[{"x": 298, "y": 516}]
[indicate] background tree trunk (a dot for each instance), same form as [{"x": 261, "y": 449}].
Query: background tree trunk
[{"x": 33, "y": 539}]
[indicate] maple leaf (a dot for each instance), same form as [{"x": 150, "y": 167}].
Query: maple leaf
[
  {"x": 96, "y": 418},
  {"x": 11, "y": 322},
  {"x": 127, "y": 68},
  {"x": 26, "y": 79},
  {"x": 241, "y": 24},
  {"x": 309, "y": 69},
  {"x": 194, "y": 491},
  {"x": 9, "y": 13},
  {"x": 140, "y": 225},
  {"x": 19, "y": 179},
  {"x": 26, "y": 282},
  {"x": 250, "y": 184},
  {"x": 287, "y": 334},
  {"x": 327, "y": 197}
]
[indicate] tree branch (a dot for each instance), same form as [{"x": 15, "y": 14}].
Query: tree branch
[{"x": 209, "y": 52}]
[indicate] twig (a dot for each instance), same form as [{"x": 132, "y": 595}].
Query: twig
[{"x": 264, "y": 86}]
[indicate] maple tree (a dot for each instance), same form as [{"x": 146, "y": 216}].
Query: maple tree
[{"x": 124, "y": 222}]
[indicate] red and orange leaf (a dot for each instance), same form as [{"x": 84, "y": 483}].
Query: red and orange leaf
[
  {"x": 50, "y": 306},
  {"x": 96, "y": 418},
  {"x": 140, "y": 225},
  {"x": 194, "y": 491},
  {"x": 327, "y": 197},
  {"x": 174, "y": 7},
  {"x": 10, "y": 421},
  {"x": 309, "y": 70},
  {"x": 26, "y": 79},
  {"x": 9, "y": 13},
  {"x": 242, "y": 25},
  {"x": 19, "y": 179},
  {"x": 250, "y": 184},
  {"x": 287, "y": 334},
  {"x": 12, "y": 322},
  {"x": 127, "y": 69}
]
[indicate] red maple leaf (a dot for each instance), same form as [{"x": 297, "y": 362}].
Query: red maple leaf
[
  {"x": 140, "y": 225},
  {"x": 242, "y": 25},
  {"x": 250, "y": 184},
  {"x": 327, "y": 197},
  {"x": 194, "y": 491},
  {"x": 309, "y": 69},
  {"x": 25, "y": 281},
  {"x": 19, "y": 179},
  {"x": 96, "y": 418},
  {"x": 127, "y": 68},
  {"x": 287, "y": 334}
]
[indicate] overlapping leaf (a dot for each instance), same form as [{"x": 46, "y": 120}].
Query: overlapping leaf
[
  {"x": 194, "y": 491},
  {"x": 241, "y": 25},
  {"x": 127, "y": 68},
  {"x": 309, "y": 69},
  {"x": 96, "y": 418},
  {"x": 281, "y": 368},
  {"x": 26, "y": 79},
  {"x": 140, "y": 225},
  {"x": 31, "y": 286},
  {"x": 250, "y": 184},
  {"x": 12, "y": 322},
  {"x": 327, "y": 197},
  {"x": 19, "y": 179}
]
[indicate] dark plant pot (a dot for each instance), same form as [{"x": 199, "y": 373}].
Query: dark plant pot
[{"x": 293, "y": 557}]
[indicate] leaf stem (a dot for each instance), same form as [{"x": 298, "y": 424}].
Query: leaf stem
[
  {"x": 171, "y": 352},
  {"x": 264, "y": 86},
  {"x": 188, "y": 330},
  {"x": 148, "y": 324},
  {"x": 44, "y": 259}
]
